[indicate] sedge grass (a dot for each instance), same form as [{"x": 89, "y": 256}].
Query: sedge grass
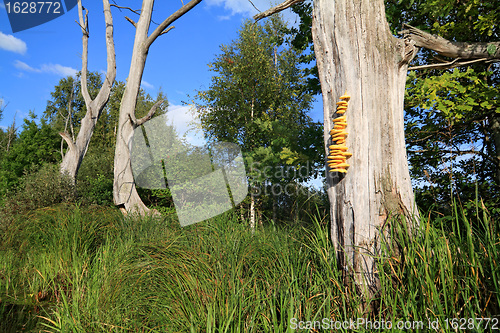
[{"x": 73, "y": 269}]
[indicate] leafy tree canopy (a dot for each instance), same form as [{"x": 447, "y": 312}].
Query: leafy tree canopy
[{"x": 259, "y": 99}]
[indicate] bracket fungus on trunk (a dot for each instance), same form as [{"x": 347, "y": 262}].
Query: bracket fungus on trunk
[{"x": 337, "y": 159}]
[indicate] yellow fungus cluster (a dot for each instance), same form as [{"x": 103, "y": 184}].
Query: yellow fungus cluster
[{"x": 338, "y": 151}]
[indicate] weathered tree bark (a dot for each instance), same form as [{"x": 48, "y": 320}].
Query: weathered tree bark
[
  {"x": 124, "y": 191},
  {"x": 77, "y": 149},
  {"x": 252, "y": 213},
  {"x": 451, "y": 49},
  {"x": 356, "y": 53}
]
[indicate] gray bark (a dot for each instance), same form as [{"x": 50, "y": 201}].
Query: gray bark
[
  {"x": 78, "y": 148},
  {"x": 252, "y": 213},
  {"x": 451, "y": 49},
  {"x": 124, "y": 191},
  {"x": 357, "y": 54}
]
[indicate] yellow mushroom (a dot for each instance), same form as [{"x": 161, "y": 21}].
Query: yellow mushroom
[
  {"x": 342, "y": 103},
  {"x": 341, "y": 111},
  {"x": 339, "y": 135},
  {"x": 347, "y": 154},
  {"x": 339, "y": 170},
  {"x": 339, "y": 119},
  {"x": 342, "y": 165},
  {"x": 345, "y": 97},
  {"x": 339, "y": 147}
]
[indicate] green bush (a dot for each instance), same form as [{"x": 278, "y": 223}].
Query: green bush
[
  {"x": 94, "y": 182},
  {"x": 43, "y": 188},
  {"x": 96, "y": 190}
]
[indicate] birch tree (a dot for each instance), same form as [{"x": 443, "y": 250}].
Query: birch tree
[
  {"x": 78, "y": 148},
  {"x": 257, "y": 99},
  {"x": 124, "y": 191}
]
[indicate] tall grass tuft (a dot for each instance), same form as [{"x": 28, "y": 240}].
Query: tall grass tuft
[{"x": 75, "y": 269}]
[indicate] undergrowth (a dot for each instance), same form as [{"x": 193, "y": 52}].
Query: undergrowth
[{"x": 79, "y": 269}]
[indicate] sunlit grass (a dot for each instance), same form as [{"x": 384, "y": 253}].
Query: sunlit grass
[{"x": 75, "y": 269}]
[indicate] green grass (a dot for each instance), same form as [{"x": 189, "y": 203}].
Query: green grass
[{"x": 78, "y": 269}]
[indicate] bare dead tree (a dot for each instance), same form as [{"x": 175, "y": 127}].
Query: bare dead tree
[
  {"x": 78, "y": 148},
  {"x": 356, "y": 53},
  {"x": 124, "y": 191}
]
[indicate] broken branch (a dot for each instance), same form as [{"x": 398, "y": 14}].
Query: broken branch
[
  {"x": 171, "y": 19},
  {"x": 451, "y": 49},
  {"x": 130, "y": 20},
  {"x": 282, "y": 6},
  {"x": 448, "y": 65},
  {"x": 149, "y": 115},
  {"x": 65, "y": 136}
]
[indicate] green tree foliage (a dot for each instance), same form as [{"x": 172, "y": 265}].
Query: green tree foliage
[
  {"x": 67, "y": 107},
  {"x": 39, "y": 144},
  {"x": 36, "y": 145},
  {"x": 301, "y": 39},
  {"x": 452, "y": 115},
  {"x": 259, "y": 99}
]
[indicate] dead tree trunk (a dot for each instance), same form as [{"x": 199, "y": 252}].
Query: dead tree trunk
[
  {"x": 357, "y": 54},
  {"x": 78, "y": 148},
  {"x": 124, "y": 191}
]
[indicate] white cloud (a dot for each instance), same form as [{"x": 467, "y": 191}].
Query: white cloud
[
  {"x": 186, "y": 123},
  {"x": 25, "y": 67},
  {"x": 245, "y": 8},
  {"x": 11, "y": 43},
  {"x": 240, "y": 6},
  {"x": 58, "y": 69},
  {"x": 46, "y": 68},
  {"x": 147, "y": 85}
]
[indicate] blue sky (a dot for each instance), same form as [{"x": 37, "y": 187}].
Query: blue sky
[{"x": 33, "y": 61}]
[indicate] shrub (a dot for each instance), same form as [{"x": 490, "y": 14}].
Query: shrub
[
  {"x": 43, "y": 188},
  {"x": 96, "y": 190}
]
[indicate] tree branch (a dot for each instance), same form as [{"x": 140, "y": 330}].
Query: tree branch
[
  {"x": 131, "y": 21},
  {"x": 254, "y": 6},
  {"x": 171, "y": 19},
  {"x": 282, "y": 6},
  {"x": 448, "y": 65},
  {"x": 65, "y": 136},
  {"x": 128, "y": 8},
  {"x": 167, "y": 30},
  {"x": 451, "y": 49},
  {"x": 150, "y": 114},
  {"x": 85, "y": 53},
  {"x": 105, "y": 91}
]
